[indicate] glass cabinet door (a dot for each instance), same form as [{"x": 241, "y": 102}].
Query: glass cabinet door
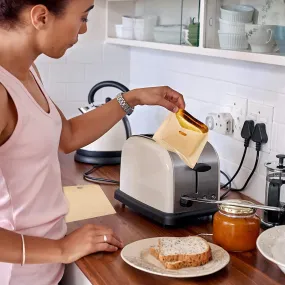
[
  {"x": 161, "y": 21},
  {"x": 191, "y": 21},
  {"x": 256, "y": 26}
]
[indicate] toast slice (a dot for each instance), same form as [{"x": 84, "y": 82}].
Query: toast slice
[
  {"x": 193, "y": 249},
  {"x": 177, "y": 253},
  {"x": 174, "y": 265}
]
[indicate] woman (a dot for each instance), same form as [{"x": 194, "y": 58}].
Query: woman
[{"x": 33, "y": 242}]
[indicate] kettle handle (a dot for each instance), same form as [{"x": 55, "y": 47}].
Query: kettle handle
[
  {"x": 104, "y": 84},
  {"x": 117, "y": 85},
  {"x": 273, "y": 199}
]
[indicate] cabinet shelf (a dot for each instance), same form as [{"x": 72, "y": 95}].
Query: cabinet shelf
[
  {"x": 227, "y": 54},
  {"x": 204, "y": 37}
]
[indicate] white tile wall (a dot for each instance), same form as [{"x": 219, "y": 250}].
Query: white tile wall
[{"x": 205, "y": 82}]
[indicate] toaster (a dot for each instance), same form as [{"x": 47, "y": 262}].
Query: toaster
[{"x": 156, "y": 182}]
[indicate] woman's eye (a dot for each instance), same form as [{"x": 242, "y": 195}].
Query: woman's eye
[{"x": 84, "y": 20}]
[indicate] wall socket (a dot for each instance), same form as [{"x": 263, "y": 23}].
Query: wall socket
[
  {"x": 220, "y": 122},
  {"x": 237, "y": 107},
  {"x": 260, "y": 113},
  {"x": 241, "y": 110}
]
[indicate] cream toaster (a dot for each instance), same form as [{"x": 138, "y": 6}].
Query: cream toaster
[{"x": 154, "y": 182}]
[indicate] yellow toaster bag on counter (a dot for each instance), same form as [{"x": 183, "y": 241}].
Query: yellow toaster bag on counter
[{"x": 183, "y": 134}]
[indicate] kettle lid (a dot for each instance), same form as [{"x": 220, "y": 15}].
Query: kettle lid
[{"x": 277, "y": 166}]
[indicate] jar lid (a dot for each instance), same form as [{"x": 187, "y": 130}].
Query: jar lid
[
  {"x": 236, "y": 209},
  {"x": 275, "y": 167}
]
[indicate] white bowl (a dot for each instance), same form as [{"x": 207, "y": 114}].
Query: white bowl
[
  {"x": 233, "y": 41},
  {"x": 237, "y": 13},
  {"x": 169, "y": 34},
  {"x": 271, "y": 244},
  {"x": 127, "y": 33},
  {"x": 232, "y": 27},
  {"x": 142, "y": 34},
  {"x": 128, "y": 22},
  {"x": 119, "y": 31},
  {"x": 143, "y": 29},
  {"x": 146, "y": 22}
]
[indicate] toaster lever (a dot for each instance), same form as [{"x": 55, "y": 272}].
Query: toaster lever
[{"x": 185, "y": 202}]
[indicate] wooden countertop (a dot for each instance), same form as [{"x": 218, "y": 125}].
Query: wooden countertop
[{"x": 249, "y": 268}]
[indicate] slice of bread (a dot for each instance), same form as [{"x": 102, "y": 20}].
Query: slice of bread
[
  {"x": 188, "y": 122},
  {"x": 177, "y": 253},
  {"x": 169, "y": 265}
]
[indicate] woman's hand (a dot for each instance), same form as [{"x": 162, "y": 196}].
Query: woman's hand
[
  {"x": 161, "y": 96},
  {"x": 87, "y": 240}
]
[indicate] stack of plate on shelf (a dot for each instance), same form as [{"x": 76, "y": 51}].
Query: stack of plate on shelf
[{"x": 232, "y": 34}]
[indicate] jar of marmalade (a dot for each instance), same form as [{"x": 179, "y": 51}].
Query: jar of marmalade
[{"x": 236, "y": 229}]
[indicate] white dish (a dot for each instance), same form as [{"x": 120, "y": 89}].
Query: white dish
[
  {"x": 127, "y": 33},
  {"x": 271, "y": 244},
  {"x": 233, "y": 41},
  {"x": 146, "y": 22},
  {"x": 143, "y": 29},
  {"x": 232, "y": 27},
  {"x": 142, "y": 34},
  {"x": 119, "y": 31},
  {"x": 171, "y": 34},
  {"x": 137, "y": 255},
  {"x": 237, "y": 13},
  {"x": 128, "y": 22}
]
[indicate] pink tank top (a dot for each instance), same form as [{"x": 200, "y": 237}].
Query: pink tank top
[{"x": 31, "y": 196}]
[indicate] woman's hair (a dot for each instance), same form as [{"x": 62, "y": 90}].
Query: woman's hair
[{"x": 10, "y": 9}]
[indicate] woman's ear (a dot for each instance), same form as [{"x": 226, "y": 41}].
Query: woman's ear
[{"x": 40, "y": 17}]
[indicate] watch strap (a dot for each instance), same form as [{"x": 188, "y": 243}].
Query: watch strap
[{"x": 125, "y": 106}]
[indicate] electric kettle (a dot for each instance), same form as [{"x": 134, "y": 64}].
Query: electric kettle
[
  {"x": 107, "y": 149},
  {"x": 274, "y": 192}
]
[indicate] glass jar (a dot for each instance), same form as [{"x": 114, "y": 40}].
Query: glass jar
[{"x": 236, "y": 229}]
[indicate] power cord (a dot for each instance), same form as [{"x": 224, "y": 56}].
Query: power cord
[
  {"x": 229, "y": 186},
  {"x": 246, "y": 133},
  {"x": 260, "y": 137},
  {"x": 98, "y": 180}
]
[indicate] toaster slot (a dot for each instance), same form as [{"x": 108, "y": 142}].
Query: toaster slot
[{"x": 200, "y": 167}]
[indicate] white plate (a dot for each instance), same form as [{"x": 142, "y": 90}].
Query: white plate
[
  {"x": 271, "y": 244},
  {"x": 137, "y": 255}
]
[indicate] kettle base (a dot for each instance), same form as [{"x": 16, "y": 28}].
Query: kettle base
[{"x": 97, "y": 157}]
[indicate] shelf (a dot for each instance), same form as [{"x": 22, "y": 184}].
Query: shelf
[{"x": 227, "y": 54}]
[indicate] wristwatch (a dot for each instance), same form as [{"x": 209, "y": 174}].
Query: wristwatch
[{"x": 125, "y": 106}]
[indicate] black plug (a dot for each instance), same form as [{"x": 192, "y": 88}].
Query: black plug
[
  {"x": 259, "y": 135},
  {"x": 247, "y": 131}
]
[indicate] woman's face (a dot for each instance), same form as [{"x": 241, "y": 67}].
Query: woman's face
[{"x": 54, "y": 34}]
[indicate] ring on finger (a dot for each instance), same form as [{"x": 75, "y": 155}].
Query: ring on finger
[{"x": 105, "y": 238}]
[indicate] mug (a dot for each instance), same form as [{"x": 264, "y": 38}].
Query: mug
[
  {"x": 260, "y": 37},
  {"x": 280, "y": 38}
]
